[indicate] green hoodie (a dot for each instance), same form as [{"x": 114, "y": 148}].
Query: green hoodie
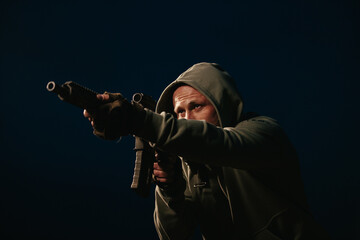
[{"x": 246, "y": 171}]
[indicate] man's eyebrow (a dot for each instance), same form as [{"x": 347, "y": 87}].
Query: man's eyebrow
[
  {"x": 191, "y": 103},
  {"x": 195, "y": 102}
]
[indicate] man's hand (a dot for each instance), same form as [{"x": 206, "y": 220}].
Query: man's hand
[
  {"x": 102, "y": 97},
  {"x": 167, "y": 173},
  {"x": 167, "y": 169},
  {"x": 163, "y": 170},
  {"x": 112, "y": 119}
]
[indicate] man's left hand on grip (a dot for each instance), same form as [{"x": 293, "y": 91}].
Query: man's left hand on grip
[{"x": 112, "y": 119}]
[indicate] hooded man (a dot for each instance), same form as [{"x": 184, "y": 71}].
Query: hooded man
[{"x": 238, "y": 175}]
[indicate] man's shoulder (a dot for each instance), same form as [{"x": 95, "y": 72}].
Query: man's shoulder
[{"x": 259, "y": 124}]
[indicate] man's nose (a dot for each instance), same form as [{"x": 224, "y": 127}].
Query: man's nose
[{"x": 189, "y": 115}]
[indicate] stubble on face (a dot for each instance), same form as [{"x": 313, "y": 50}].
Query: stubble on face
[{"x": 191, "y": 104}]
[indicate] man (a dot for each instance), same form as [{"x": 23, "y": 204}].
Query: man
[{"x": 239, "y": 176}]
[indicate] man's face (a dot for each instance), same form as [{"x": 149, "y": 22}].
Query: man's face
[{"x": 190, "y": 104}]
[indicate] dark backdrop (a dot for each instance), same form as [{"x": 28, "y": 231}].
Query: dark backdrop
[{"x": 296, "y": 61}]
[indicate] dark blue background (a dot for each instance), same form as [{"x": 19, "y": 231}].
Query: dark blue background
[{"x": 297, "y": 61}]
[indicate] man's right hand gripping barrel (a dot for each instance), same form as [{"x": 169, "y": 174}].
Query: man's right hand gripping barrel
[{"x": 115, "y": 117}]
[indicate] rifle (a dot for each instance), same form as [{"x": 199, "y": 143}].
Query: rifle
[{"x": 85, "y": 98}]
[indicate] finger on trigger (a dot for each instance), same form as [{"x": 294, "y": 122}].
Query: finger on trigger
[
  {"x": 106, "y": 96},
  {"x": 162, "y": 180},
  {"x": 160, "y": 174},
  {"x": 156, "y": 166}
]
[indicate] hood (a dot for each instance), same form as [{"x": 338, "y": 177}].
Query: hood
[{"x": 214, "y": 83}]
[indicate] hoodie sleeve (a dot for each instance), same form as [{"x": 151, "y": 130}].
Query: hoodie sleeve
[{"x": 255, "y": 143}]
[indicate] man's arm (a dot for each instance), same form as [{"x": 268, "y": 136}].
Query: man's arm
[
  {"x": 174, "y": 214},
  {"x": 255, "y": 143},
  {"x": 173, "y": 220}
]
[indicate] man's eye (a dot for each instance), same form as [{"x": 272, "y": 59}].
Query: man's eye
[
  {"x": 196, "y": 106},
  {"x": 179, "y": 112}
]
